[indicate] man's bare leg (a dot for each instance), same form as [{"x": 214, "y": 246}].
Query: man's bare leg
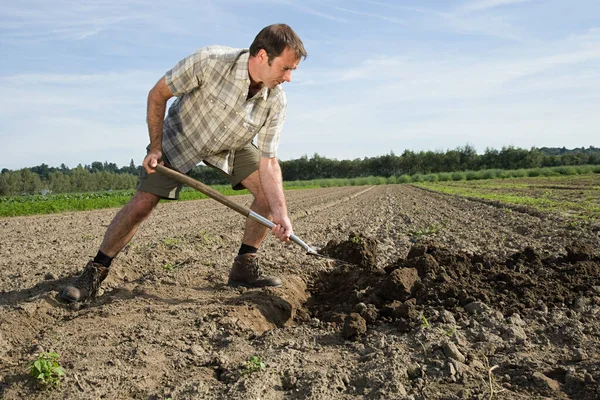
[
  {"x": 126, "y": 223},
  {"x": 255, "y": 233},
  {"x": 120, "y": 231},
  {"x": 245, "y": 270}
]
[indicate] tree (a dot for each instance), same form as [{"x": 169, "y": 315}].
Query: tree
[
  {"x": 80, "y": 179},
  {"x": 30, "y": 182}
]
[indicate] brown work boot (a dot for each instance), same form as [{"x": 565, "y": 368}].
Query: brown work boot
[
  {"x": 86, "y": 286},
  {"x": 246, "y": 272}
]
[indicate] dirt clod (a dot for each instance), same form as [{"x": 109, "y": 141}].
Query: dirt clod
[
  {"x": 354, "y": 327},
  {"x": 400, "y": 284},
  {"x": 358, "y": 249}
]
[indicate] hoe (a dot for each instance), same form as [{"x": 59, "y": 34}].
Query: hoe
[{"x": 210, "y": 192}]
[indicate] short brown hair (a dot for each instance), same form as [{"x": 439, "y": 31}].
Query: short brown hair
[{"x": 274, "y": 39}]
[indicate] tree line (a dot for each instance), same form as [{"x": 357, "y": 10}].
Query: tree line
[
  {"x": 463, "y": 158},
  {"x": 100, "y": 176}
]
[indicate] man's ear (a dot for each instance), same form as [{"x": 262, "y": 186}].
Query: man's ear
[{"x": 262, "y": 55}]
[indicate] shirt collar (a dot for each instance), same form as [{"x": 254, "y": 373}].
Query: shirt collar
[{"x": 241, "y": 73}]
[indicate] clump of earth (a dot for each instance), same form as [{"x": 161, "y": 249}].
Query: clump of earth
[{"x": 358, "y": 249}]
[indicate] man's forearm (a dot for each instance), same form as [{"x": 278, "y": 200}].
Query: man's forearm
[
  {"x": 271, "y": 181},
  {"x": 155, "y": 117}
]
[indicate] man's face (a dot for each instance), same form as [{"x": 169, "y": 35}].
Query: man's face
[{"x": 280, "y": 69}]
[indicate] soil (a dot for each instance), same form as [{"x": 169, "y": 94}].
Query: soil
[{"x": 437, "y": 297}]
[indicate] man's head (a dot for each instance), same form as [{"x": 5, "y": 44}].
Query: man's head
[
  {"x": 275, "y": 52},
  {"x": 274, "y": 39}
]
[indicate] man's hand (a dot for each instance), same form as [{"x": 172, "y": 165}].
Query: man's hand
[
  {"x": 151, "y": 160},
  {"x": 283, "y": 228}
]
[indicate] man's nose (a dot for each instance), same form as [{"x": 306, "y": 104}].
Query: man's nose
[{"x": 287, "y": 76}]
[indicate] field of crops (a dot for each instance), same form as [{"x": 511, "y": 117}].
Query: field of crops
[{"x": 448, "y": 182}]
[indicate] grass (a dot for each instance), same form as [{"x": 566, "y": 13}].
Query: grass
[{"x": 570, "y": 195}]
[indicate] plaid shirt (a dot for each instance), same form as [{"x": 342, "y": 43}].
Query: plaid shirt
[{"x": 211, "y": 116}]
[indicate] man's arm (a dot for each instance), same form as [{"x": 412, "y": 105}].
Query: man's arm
[
  {"x": 271, "y": 182},
  {"x": 157, "y": 105}
]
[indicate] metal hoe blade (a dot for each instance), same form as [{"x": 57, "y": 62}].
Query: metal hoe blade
[{"x": 310, "y": 250}]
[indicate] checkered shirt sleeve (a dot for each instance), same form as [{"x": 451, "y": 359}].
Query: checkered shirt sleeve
[
  {"x": 188, "y": 74},
  {"x": 269, "y": 134}
]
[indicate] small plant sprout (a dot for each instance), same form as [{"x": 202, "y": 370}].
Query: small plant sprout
[
  {"x": 46, "y": 369},
  {"x": 356, "y": 239},
  {"x": 426, "y": 230},
  {"x": 424, "y": 322},
  {"x": 491, "y": 382},
  {"x": 168, "y": 267},
  {"x": 170, "y": 242},
  {"x": 254, "y": 364}
]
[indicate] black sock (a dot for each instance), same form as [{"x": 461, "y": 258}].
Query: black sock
[
  {"x": 103, "y": 259},
  {"x": 245, "y": 249}
]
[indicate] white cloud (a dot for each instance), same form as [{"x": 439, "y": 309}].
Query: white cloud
[
  {"x": 484, "y": 5},
  {"x": 371, "y": 14},
  {"x": 65, "y": 19}
]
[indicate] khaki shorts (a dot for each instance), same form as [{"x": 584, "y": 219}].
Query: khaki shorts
[{"x": 245, "y": 162}]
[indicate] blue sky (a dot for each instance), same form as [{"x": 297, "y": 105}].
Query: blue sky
[{"x": 381, "y": 75}]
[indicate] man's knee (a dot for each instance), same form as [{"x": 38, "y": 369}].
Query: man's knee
[
  {"x": 252, "y": 183},
  {"x": 142, "y": 204}
]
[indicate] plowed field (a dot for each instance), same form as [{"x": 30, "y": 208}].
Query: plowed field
[{"x": 455, "y": 299}]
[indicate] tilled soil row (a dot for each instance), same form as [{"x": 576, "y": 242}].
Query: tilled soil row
[{"x": 475, "y": 315}]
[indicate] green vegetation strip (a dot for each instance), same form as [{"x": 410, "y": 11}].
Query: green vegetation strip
[
  {"x": 486, "y": 184},
  {"x": 55, "y": 203},
  {"x": 586, "y": 206},
  {"x": 48, "y": 204}
]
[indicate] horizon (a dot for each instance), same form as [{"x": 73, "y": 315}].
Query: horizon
[
  {"x": 306, "y": 155},
  {"x": 380, "y": 77}
]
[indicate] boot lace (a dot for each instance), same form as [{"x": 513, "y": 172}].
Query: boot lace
[
  {"x": 90, "y": 279},
  {"x": 254, "y": 267}
]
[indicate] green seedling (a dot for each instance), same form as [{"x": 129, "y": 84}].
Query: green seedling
[
  {"x": 169, "y": 267},
  {"x": 206, "y": 239},
  {"x": 424, "y": 322},
  {"x": 450, "y": 332},
  {"x": 356, "y": 239},
  {"x": 254, "y": 364},
  {"x": 170, "y": 242},
  {"x": 46, "y": 369},
  {"x": 426, "y": 231}
]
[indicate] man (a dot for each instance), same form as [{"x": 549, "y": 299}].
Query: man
[{"x": 225, "y": 97}]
